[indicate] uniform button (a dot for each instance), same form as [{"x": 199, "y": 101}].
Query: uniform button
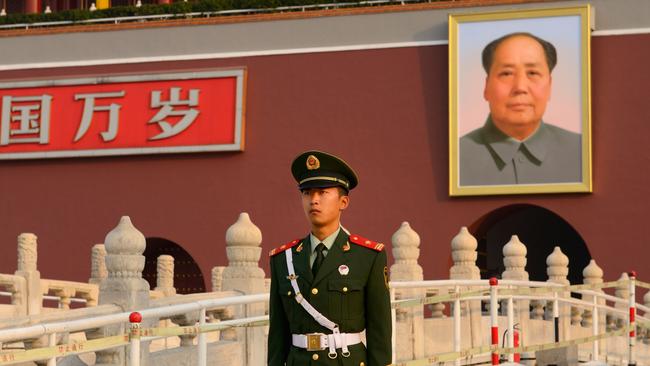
[
  {"x": 362, "y": 364},
  {"x": 314, "y": 357},
  {"x": 289, "y": 293},
  {"x": 314, "y": 291},
  {"x": 345, "y": 289}
]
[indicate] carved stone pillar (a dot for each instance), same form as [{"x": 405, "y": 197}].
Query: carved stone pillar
[
  {"x": 165, "y": 275},
  {"x": 98, "y": 270},
  {"x": 124, "y": 285},
  {"x": 27, "y": 258},
  {"x": 463, "y": 253},
  {"x": 243, "y": 240},
  {"x": 593, "y": 274},
  {"x": 410, "y": 330},
  {"x": 514, "y": 260},
  {"x": 557, "y": 270},
  {"x": 217, "y": 278},
  {"x": 622, "y": 292}
]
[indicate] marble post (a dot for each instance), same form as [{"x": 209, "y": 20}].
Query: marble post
[
  {"x": 124, "y": 285},
  {"x": 463, "y": 253},
  {"x": 410, "y": 330},
  {"x": 243, "y": 240}
]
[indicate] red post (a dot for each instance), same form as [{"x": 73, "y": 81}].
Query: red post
[
  {"x": 631, "y": 321},
  {"x": 494, "y": 319},
  {"x": 515, "y": 335}
]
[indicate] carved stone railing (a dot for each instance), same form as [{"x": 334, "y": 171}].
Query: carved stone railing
[
  {"x": 67, "y": 290},
  {"x": 15, "y": 287}
]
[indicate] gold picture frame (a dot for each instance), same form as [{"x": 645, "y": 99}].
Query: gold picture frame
[{"x": 495, "y": 145}]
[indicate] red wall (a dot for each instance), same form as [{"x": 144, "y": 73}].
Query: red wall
[{"x": 384, "y": 111}]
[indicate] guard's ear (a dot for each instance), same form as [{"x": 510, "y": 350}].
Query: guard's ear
[{"x": 344, "y": 202}]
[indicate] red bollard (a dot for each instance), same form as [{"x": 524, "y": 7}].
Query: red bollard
[
  {"x": 515, "y": 335},
  {"x": 494, "y": 318}
]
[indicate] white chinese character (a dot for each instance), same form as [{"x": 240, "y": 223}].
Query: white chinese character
[
  {"x": 33, "y": 120},
  {"x": 189, "y": 115},
  {"x": 90, "y": 108}
]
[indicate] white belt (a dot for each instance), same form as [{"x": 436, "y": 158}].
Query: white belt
[{"x": 321, "y": 341}]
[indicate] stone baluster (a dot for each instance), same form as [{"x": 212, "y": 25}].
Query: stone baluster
[
  {"x": 557, "y": 270},
  {"x": 124, "y": 285},
  {"x": 27, "y": 258},
  {"x": 622, "y": 292},
  {"x": 165, "y": 275},
  {"x": 65, "y": 297},
  {"x": 243, "y": 240},
  {"x": 217, "y": 278},
  {"x": 98, "y": 264},
  {"x": 592, "y": 274},
  {"x": 463, "y": 253},
  {"x": 410, "y": 330},
  {"x": 514, "y": 260},
  {"x": 537, "y": 311},
  {"x": 437, "y": 309}
]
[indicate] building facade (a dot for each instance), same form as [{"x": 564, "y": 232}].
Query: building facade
[{"x": 368, "y": 84}]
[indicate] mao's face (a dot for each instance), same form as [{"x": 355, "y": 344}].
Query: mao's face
[{"x": 518, "y": 85}]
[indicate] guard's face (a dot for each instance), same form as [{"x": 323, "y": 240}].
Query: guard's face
[
  {"x": 518, "y": 86},
  {"x": 323, "y": 206}
]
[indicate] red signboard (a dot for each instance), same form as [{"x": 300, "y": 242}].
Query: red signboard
[{"x": 120, "y": 115}]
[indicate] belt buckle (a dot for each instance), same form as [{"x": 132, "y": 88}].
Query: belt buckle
[{"x": 314, "y": 342}]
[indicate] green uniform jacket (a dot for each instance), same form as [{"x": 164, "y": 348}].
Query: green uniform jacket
[{"x": 356, "y": 301}]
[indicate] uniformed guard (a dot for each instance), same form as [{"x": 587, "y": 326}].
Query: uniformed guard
[{"x": 329, "y": 302}]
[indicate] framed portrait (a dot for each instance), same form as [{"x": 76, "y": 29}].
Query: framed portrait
[{"x": 520, "y": 102}]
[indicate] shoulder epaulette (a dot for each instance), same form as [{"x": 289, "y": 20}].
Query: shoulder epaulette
[
  {"x": 359, "y": 240},
  {"x": 284, "y": 247}
]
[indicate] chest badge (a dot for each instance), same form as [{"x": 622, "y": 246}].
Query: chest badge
[{"x": 344, "y": 270}]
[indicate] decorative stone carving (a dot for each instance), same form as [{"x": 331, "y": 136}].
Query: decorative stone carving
[
  {"x": 514, "y": 260},
  {"x": 124, "y": 285},
  {"x": 27, "y": 252},
  {"x": 622, "y": 292},
  {"x": 557, "y": 270},
  {"x": 27, "y": 268},
  {"x": 463, "y": 253},
  {"x": 406, "y": 251},
  {"x": 243, "y": 240},
  {"x": 165, "y": 275},
  {"x": 217, "y": 278},
  {"x": 98, "y": 264},
  {"x": 592, "y": 274}
]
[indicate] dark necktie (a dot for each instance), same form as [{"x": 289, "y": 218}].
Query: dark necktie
[{"x": 320, "y": 257}]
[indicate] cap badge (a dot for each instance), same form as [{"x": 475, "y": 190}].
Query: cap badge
[
  {"x": 344, "y": 270},
  {"x": 312, "y": 163}
]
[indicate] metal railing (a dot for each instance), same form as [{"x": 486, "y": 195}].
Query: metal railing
[{"x": 453, "y": 291}]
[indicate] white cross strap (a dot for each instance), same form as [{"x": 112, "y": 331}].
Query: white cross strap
[{"x": 336, "y": 341}]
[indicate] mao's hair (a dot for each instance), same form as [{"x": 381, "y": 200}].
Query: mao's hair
[{"x": 491, "y": 48}]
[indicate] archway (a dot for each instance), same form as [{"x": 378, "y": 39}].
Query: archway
[
  {"x": 539, "y": 229},
  {"x": 187, "y": 274}
]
